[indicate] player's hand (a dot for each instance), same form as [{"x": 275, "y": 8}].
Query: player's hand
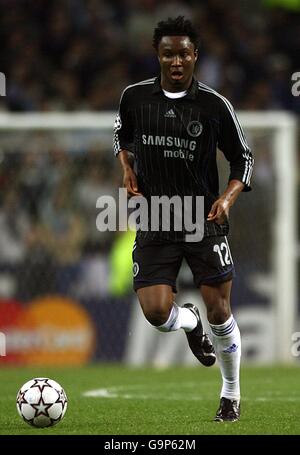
[
  {"x": 130, "y": 182},
  {"x": 219, "y": 211}
]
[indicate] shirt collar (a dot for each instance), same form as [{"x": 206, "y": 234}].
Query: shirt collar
[{"x": 191, "y": 93}]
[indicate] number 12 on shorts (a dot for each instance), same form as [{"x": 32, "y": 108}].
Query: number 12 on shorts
[{"x": 224, "y": 253}]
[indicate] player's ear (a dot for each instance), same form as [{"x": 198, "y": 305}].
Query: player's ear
[
  {"x": 196, "y": 54},
  {"x": 158, "y": 57}
]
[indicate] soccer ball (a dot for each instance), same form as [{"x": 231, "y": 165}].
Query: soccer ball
[{"x": 42, "y": 402}]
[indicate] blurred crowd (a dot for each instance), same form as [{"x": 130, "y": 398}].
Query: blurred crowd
[
  {"x": 71, "y": 55},
  {"x": 49, "y": 241},
  {"x": 80, "y": 54}
]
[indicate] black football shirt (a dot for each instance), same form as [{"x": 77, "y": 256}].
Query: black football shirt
[{"x": 175, "y": 141}]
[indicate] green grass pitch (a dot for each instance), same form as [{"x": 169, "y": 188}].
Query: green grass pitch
[{"x": 172, "y": 401}]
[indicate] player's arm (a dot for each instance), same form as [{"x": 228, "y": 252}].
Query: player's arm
[
  {"x": 123, "y": 143},
  {"x": 129, "y": 177},
  {"x": 233, "y": 144}
]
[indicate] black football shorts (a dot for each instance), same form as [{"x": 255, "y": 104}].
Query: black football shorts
[{"x": 159, "y": 262}]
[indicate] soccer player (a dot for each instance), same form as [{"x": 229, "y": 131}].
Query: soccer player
[{"x": 173, "y": 124}]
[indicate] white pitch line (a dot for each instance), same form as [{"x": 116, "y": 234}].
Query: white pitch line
[
  {"x": 121, "y": 392},
  {"x": 111, "y": 393}
]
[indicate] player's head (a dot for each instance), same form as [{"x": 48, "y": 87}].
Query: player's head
[{"x": 176, "y": 43}]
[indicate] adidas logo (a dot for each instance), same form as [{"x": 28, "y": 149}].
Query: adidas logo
[
  {"x": 231, "y": 349},
  {"x": 170, "y": 114}
]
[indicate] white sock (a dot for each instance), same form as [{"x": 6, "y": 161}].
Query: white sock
[
  {"x": 179, "y": 318},
  {"x": 226, "y": 340}
]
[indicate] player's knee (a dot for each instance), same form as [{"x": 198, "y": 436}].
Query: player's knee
[
  {"x": 156, "y": 313},
  {"x": 157, "y": 316},
  {"x": 157, "y": 319},
  {"x": 219, "y": 311}
]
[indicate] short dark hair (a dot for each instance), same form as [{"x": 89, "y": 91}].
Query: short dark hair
[{"x": 175, "y": 27}]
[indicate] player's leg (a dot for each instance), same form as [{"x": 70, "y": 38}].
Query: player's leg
[
  {"x": 227, "y": 343},
  {"x": 161, "y": 311},
  {"x": 155, "y": 268},
  {"x": 211, "y": 263}
]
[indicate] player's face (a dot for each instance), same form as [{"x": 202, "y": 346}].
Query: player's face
[{"x": 177, "y": 57}]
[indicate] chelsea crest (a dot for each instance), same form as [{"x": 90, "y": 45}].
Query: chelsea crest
[{"x": 195, "y": 128}]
